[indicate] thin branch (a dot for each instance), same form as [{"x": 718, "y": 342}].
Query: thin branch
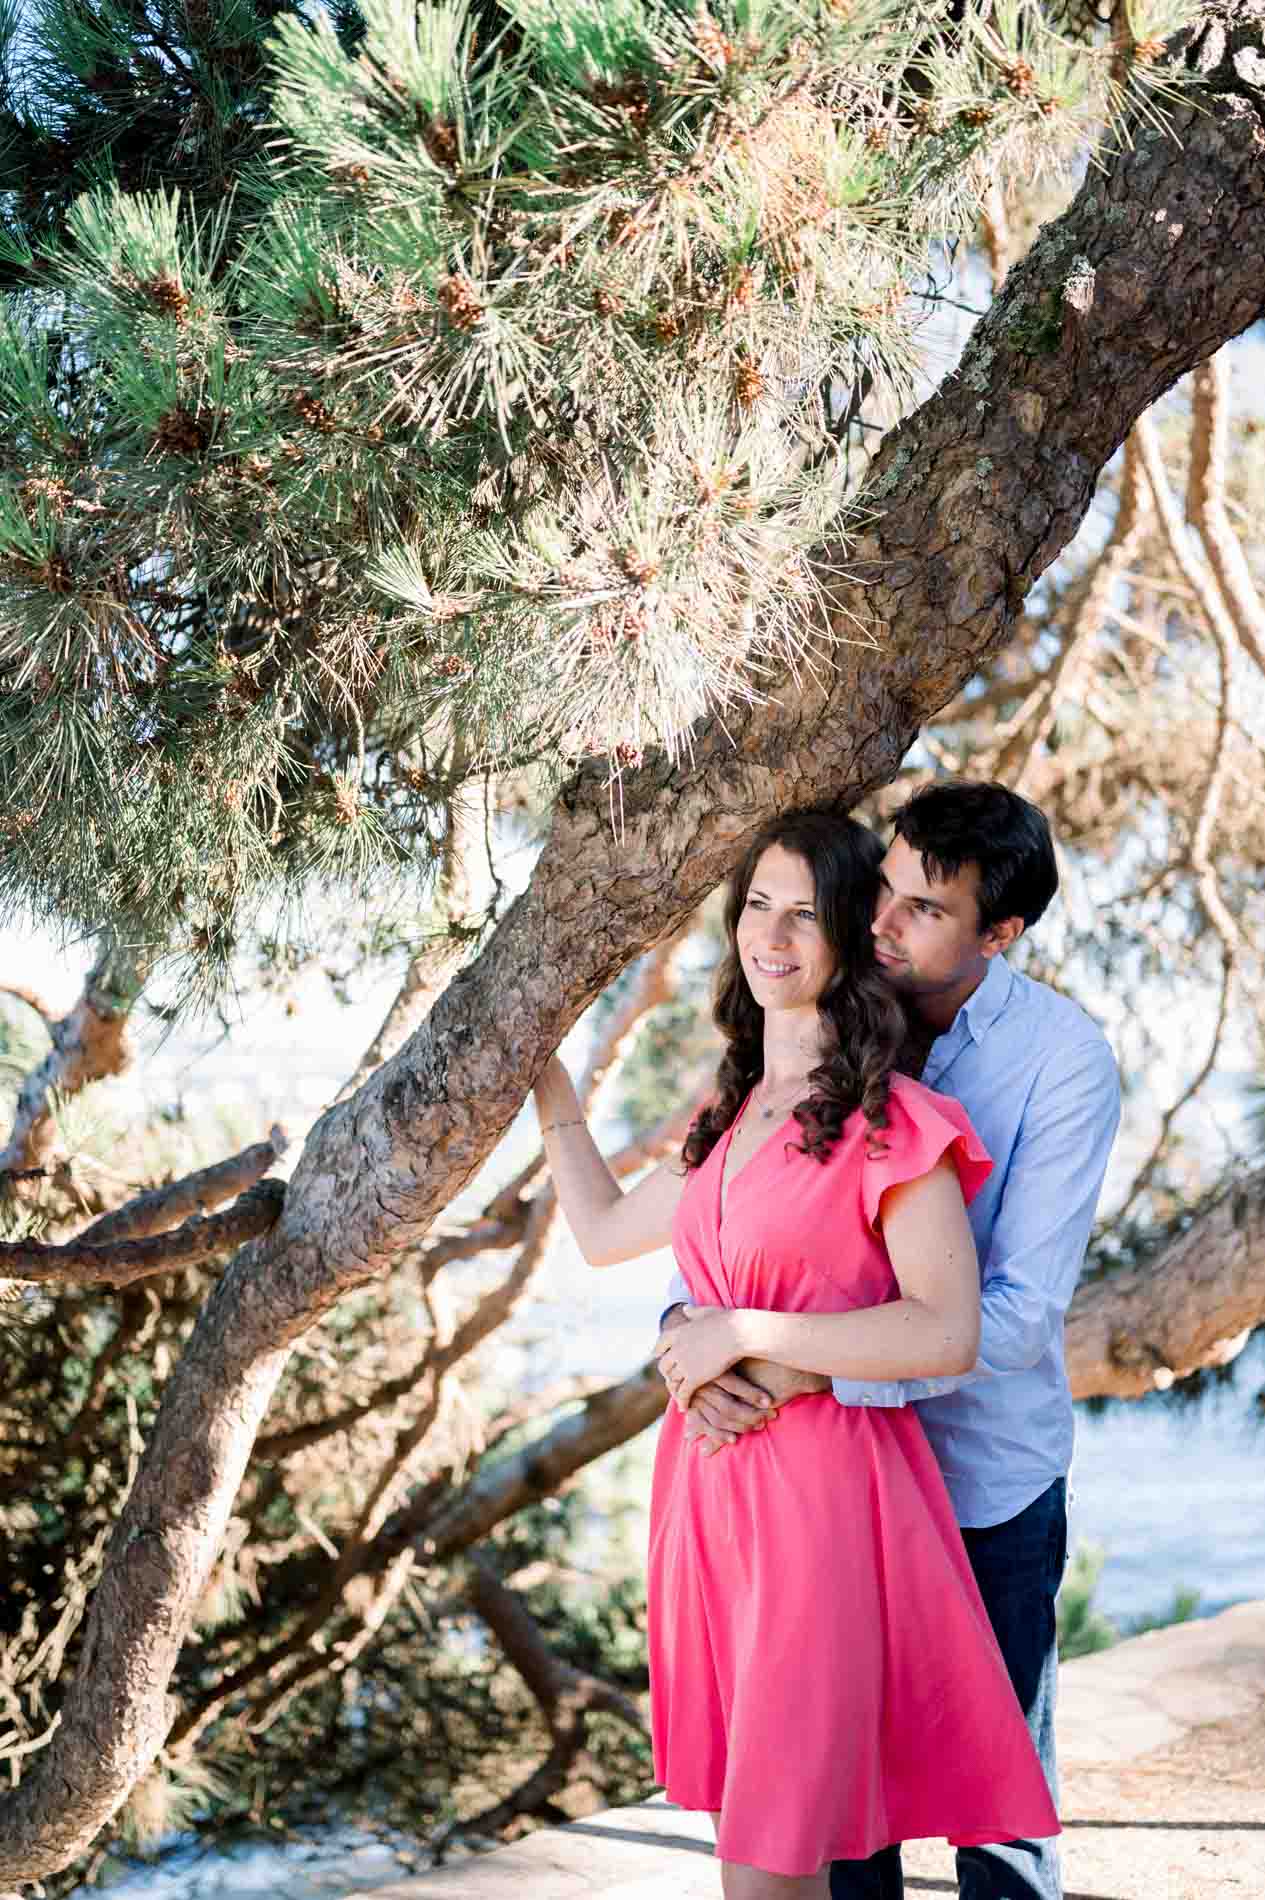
[
  {"x": 1018, "y": 764},
  {"x": 1222, "y": 629},
  {"x": 1205, "y": 504},
  {"x": 611, "y": 1417},
  {"x": 162, "y": 1208},
  {"x": 119, "y": 1264},
  {"x": 995, "y": 228},
  {"x": 1146, "y": 1173},
  {"x": 88, "y": 1044}
]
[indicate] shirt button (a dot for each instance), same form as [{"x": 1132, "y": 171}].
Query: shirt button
[{"x": 867, "y": 1398}]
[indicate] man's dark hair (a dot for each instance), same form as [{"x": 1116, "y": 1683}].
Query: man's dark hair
[{"x": 982, "y": 823}]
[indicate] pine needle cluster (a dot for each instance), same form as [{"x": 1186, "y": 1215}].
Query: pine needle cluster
[{"x": 488, "y": 418}]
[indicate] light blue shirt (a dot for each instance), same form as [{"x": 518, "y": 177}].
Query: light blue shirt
[{"x": 1037, "y": 1078}]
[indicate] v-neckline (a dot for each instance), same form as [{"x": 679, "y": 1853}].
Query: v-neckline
[{"x": 726, "y": 1188}]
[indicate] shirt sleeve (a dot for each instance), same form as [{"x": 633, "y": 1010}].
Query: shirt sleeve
[
  {"x": 924, "y": 1127},
  {"x": 678, "y": 1295},
  {"x": 1046, "y": 1213}
]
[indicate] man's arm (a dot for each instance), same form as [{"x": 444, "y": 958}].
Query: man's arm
[
  {"x": 1046, "y": 1214},
  {"x": 1042, "y": 1227}
]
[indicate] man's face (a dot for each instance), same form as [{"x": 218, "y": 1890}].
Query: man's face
[{"x": 927, "y": 935}]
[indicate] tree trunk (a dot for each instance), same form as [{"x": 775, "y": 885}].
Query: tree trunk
[{"x": 1157, "y": 262}]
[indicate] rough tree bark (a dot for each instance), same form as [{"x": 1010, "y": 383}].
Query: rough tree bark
[
  {"x": 1158, "y": 261},
  {"x": 1193, "y": 1306}
]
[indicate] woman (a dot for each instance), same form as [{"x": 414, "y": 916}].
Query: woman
[{"x": 824, "y": 1680}]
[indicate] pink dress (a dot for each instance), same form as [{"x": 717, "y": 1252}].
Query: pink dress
[{"x": 822, "y": 1670}]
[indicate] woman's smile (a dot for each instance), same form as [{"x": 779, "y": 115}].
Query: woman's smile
[{"x": 768, "y": 966}]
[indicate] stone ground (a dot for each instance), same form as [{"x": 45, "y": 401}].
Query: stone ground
[{"x": 1162, "y": 1742}]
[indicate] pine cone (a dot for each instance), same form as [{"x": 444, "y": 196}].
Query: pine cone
[
  {"x": 977, "y": 115},
  {"x": 1020, "y": 79},
  {"x": 440, "y": 140},
  {"x": 311, "y": 410},
  {"x": 346, "y": 802},
  {"x": 637, "y": 568},
  {"x": 168, "y": 296},
  {"x": 49, "y": 489},
  {"x": 181, "y": 432},
  {"x": 749, "y": 385},
  {"x": 1148, "y": 51},
  {"x": 457, "y": 295},
  {"x": 636, "y": 623},
  {"x": 605, "y": 303},
  {"x": 742, "y": 289},
  {"x": 667, "y": 326},
  {"x": 631, "y": 100}
]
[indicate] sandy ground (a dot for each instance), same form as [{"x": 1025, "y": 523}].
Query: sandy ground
[{"x": 1162, "y": 1742}]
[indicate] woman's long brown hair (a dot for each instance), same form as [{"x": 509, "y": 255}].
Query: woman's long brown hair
[{"x": 864, "y": 1030}]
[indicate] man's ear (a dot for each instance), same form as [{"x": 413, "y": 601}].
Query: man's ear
[{"x": 1000, "y": 936}]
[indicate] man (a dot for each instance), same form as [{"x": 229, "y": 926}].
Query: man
[{"x": 970, "y": 867}]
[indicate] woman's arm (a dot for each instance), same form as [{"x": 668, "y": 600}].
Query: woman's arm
[
  {"x": 609, "y": 1225},
  {"x": 932, "y": 1329}
]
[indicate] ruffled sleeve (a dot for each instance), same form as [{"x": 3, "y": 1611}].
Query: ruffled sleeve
[{"x": 921, "y": 1127}]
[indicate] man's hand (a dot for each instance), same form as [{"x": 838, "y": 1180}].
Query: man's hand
[
  {"x": 726, "y": 1409},
  {"x": 779, "y": 1383}
]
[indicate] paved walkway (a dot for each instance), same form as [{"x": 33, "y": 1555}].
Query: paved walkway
[{"x": 1162, "y": 1741}]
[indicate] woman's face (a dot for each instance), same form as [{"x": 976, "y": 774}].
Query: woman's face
[{"x": 783, "y": 950}]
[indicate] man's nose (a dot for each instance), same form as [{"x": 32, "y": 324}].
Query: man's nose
[{"x": 884, "y": 915}]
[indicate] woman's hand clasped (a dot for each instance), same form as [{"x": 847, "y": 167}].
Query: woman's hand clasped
[{"x": 694, "y": 1354}]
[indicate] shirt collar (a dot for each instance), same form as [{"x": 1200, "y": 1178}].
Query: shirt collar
[{"x": 985, "y": 1004}]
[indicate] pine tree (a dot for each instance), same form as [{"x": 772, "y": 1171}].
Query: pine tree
[{"x": 512, "y": 412}]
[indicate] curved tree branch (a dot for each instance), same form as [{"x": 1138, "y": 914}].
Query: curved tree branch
[
  {"x": 972, "y": 498},
  {"x": 1190, "y": 1308},
  {"x": 565, "y": 1695}
]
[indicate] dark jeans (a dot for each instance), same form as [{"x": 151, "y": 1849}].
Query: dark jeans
[{"x": 1018, "y": 1566}]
